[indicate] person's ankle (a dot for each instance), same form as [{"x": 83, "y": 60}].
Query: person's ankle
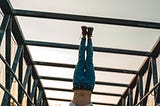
[
  {"x": 90, "y": 31},
  {"x": 84, "y": 31}
]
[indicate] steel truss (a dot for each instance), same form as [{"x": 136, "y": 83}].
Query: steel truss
[
  {"x": 35, "y": 95},
  {"x": 10, "y": 25}
]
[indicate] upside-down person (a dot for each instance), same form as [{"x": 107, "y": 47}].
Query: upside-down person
[{"x": 84, "y": 75}]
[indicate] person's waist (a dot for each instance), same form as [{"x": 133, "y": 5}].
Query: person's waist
[{"x": 83, "y": 87}]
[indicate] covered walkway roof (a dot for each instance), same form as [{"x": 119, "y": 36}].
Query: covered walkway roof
[{"x": 126, "y": 34}]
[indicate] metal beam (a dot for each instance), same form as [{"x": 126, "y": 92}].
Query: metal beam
[
  {"x": 154, "y": 53},
  {"x": 148, "y": 83},
  {"x": 92, "y": 19},
  {"x": 39, "y": 98},
  {"x": 112, "y": 84},
  {"x": 34, "y": 88},
  {"x": 70, "y": 90},
  {"x": 87, "y": 21},
  {"x": 17, "y": 32},
  {"x": 143, "y": 69},
  {"x": 96, "y": 68},
  {"x": 146, "y": 95},
  {"x": 97, "y": 49},
  {"x": 6, "y": 7},
  {"x": 70, "y": 80},
  {"x": 158, "y": 96},
  {"x": 130, "y": 97},
  {"x": 141, "y": 89},
  {"x": 29, "y": 87},
  {"x": 156, "y": 49},
  {"x": 6, "y": 99},
  {"x": 26, "y": 78},
  {"x": 155, "y": 74},
  {"x": 17, "y": 57},
  {"x": 68, "y": 100},
  {"x": 20, "y": 77},
  {"x": 13, "y": 74},
  {"x": 18, "y": 35},
  {"x": 136, "y": 94},
  {"x": 8, "y": 93},
  {"x": 35, "y": 95},
  {"x": 123, "y": 102},
  {"x": 44, "y": 103},
  {"x": 8, "y": 59},
  {"x": 3, "y": 26}
]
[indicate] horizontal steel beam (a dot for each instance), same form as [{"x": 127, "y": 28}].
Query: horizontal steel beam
[
  {"x": 92, "y": 19},
  {"x": 96, "y": 68},
  {"x": 97, "y": 49},
  {"x": 70, "y": 90},
  {"x": 68, "y": 100},
  {"x": 70, "y": 80}
]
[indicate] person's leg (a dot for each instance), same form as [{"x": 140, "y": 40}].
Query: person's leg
[
  {"x": 78, "y": 76},
  {"x": 89, "y": 73}
]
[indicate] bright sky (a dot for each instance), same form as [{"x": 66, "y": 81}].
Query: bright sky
[{"x": 109, "y": 36}]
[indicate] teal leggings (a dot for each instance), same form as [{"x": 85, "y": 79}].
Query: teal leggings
[{"x": 84, "y": 75}]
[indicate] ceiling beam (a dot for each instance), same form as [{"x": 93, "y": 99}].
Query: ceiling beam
[
  {"x": 82, "y": 18},
  {"x": 70, "y": 80},
  {"x": 97, "y": 49},
  {"x": 96, "y": 68}
]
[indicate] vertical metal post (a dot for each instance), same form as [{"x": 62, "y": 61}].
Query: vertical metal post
[
  {"x": 123, "y": 101},
  {"x": 6, "y": 99},
  {"x": 158, "y": 96},
  {"x": 20, "y": 73},
  {"x": 39, "y": 98},
  {"x": 26, "y": 79},
  {"x": 130, "y": 98},
  {"x": 41, "y": 101},
  {"x": 8, "y": 59},
  {"x": 44, "y": 103},
  {"x": 155, "y": 75},
  {"x": 148, "y": 82},
  {"x": 35, "y": 96},
  {"x": 34, "y": 87},
  {"x": 29, "y": 89},
  {"x": 4, "y": 26},
  {"x": 16, "y": 60},
  {"x": 136, "y": 94},
  {"x": 141, "y": 89}
]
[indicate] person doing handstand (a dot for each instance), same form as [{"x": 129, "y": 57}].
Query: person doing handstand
[{"x": 84, "y": 75}]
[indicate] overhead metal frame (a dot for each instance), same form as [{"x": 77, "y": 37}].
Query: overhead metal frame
[{"x": 10, "y": 24}]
